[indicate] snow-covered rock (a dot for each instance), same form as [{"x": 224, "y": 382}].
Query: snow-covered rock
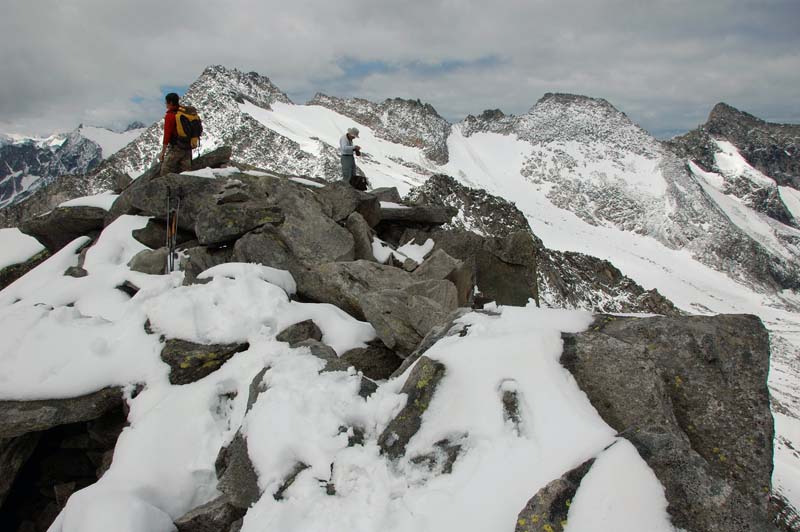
[{"x": 488, "y": 414}]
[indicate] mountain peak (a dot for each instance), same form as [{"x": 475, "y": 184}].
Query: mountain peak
[
  {"x": 727, "y": 113},
  {"x": 134, "y": 125},
  {"x": 563, "y": 98},
  {"x": 571, "y": 117},
  {"x": 218, "y": 81}
]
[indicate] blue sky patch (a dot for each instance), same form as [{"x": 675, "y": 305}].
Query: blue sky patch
[
  {"x": 356, "y": 69},
  {"x": 180, "y": 89}
]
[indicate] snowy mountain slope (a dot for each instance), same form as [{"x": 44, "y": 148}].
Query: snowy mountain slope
[
  {"x": 315, "y": 130},
  {"x": 588, "y": 158},
  {"x": 110, "y": 142},
  {"x": 29, "y": 164},
  {"x": 406, "y": 122},
  {"x": 773, "y": 149}
]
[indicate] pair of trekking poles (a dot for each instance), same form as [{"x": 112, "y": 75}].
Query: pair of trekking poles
[{"x": 173, "y": 207}]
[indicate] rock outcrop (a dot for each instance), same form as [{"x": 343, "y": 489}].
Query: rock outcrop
[
  {"x": 62, "y": 225},
  {"x": 190, "y": 362},
  {"x": 22, "y": 417},
  {"x": 9, "y": 274},
  {"x": 691, "y": 394}
]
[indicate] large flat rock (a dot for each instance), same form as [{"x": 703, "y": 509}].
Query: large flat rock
[{"x": 22, "y": 417}]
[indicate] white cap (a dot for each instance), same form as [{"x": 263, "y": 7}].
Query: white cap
[{"x": 353, "y": 132}]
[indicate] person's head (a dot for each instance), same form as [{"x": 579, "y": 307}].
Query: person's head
[
  {"x": 172, "y": 100},
  {"x": 353, "y": 132}
]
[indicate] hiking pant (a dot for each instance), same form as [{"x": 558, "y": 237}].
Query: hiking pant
[
  {"x": 348, "y": 167},
  {"x": 176, "y": 160}
]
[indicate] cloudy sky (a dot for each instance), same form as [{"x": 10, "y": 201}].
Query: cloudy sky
[{"x": 663, "y": 62}]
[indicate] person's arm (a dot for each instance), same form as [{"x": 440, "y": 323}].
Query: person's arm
[
  {"x": 169, "y": 131},
  {"x": 345, "y": 146}
]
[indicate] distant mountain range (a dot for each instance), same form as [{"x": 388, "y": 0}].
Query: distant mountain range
[
  {"x": 28, "y": 164},
  {"x": 726, "y": 192}
]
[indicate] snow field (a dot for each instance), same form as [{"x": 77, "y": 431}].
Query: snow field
[
  {"x": 732, "y": 164},
  {"x": 164, "y": 461},
  {"x": 316, "y": 128},
  {"x": 110, "y": 141},
  {"x": 518, "y": 350}
]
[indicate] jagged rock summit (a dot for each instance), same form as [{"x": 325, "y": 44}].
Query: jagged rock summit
[{"x": 753, "y": 158}]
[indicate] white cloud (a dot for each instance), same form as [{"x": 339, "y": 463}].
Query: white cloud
[{"x": 665, "y": 63}]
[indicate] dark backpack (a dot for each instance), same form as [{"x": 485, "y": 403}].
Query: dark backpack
[
  {"x": 359, "y": 182},
  {"x": 189, "y": 127}
]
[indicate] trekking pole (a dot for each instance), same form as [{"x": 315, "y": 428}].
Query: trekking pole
[
  {"x": 169, "y": 227},
  {"x": 175, "y": 225}
]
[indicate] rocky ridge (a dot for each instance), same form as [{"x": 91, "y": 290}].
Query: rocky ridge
[
  {"x": 256, "y": 216},
  {"x": 565, "y": 279}
]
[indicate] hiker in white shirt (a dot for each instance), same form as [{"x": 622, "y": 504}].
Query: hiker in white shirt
[{"x": 347, "y": 151}]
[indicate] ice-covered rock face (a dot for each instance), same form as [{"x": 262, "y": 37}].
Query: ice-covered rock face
[
  {"x": 773, "y": 149},
  {"x": 752, "y": 157}
]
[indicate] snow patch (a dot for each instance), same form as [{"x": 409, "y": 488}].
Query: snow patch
[
  {"x": 104, "y": 200},
  {"x": 732, "y": 164},
  {"x": 16, "y": 247},
  {"x": 306, "y": 182},
  {"x": 791, "y": 199},
  {"x": 213, "y": 173},
  {"x": 417, "y": 252},
  {"x": 110, "y": 141},
  {"x": 621, "y": 493}
]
